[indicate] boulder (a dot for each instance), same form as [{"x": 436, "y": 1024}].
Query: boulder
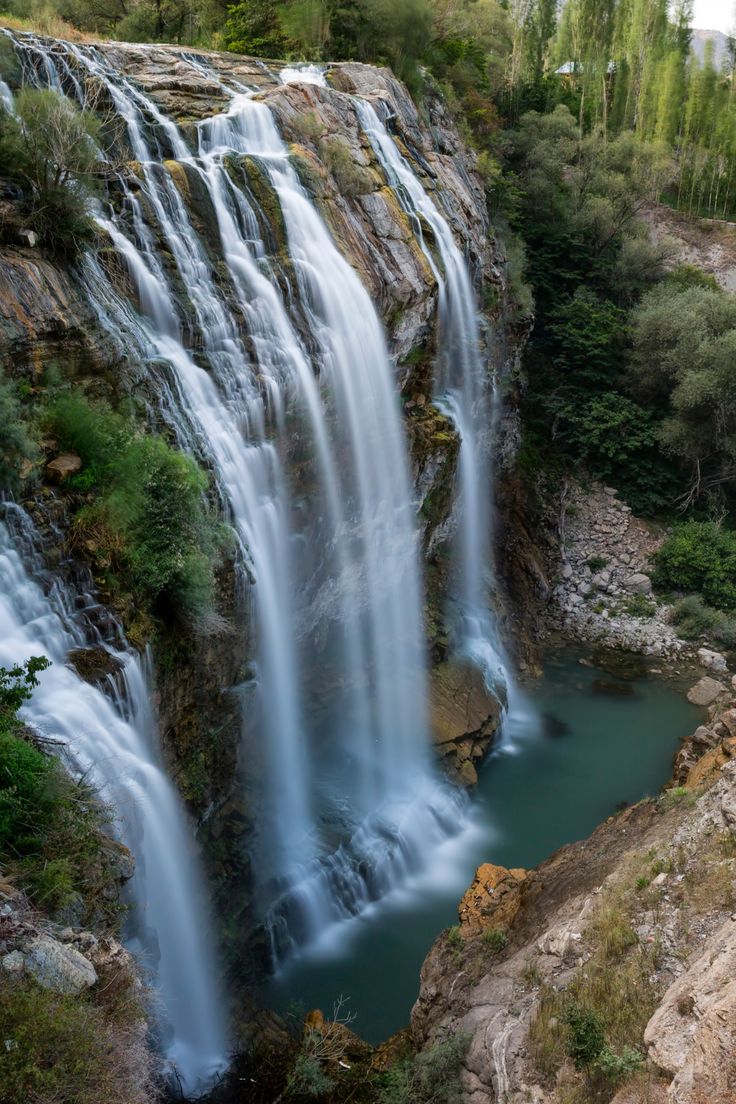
[
  {"x": 60, "y": 469},
  {"x": 464, "y": 717},
  {"x": 57, "y": 966},
  {"x": 638, "y": 584},
  {"x": 28, "y": 237},
  {"x": 493, "y": 899},
  {"x": 706, "y": 691},
  {"x": 712, "y": 661},
  {"x": 14, "y": 963}
]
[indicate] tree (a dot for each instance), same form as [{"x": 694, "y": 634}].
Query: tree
[{"x": 50, "y": 148}]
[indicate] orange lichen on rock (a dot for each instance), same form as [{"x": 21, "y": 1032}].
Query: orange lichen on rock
[{"x": 493, "y": 899}]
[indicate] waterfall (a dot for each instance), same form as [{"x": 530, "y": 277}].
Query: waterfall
[
  {"x": 112, "y": 740},
  {"x": 463, "y": 391},
  {"x": 279, "y": 378}
]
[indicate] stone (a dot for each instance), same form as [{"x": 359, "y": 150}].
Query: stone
[
  {"x": 566, "y": 571},
  {"x": 638, "y": 583},
  {"x": 63, "y": 467},
  {"x": 712, "y": 661},
  {"x": 59, "y": 967},
  {"x": 493, "y": 899},
  {"x": 14, "y": 963},
  {"x": 728, "y": 719},
  {"x": 704, "y": 736},
  {"x": 610, "y": 491},
  {"x": 464, "y": 717},
  {"x": 706, "y": 691},
  {"x": 28, "y": 237}
]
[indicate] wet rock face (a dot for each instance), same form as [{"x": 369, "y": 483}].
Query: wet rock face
[{"x": 464, "y": 718}]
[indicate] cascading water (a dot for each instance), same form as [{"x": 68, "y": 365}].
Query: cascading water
[
  {"x": 112, "y": 740},
  {"x": 466, "y": 394},
  {"x": 308, "y": 452}
]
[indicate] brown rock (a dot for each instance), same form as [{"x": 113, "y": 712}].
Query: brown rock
[
  {"x": 464, "y": 717},
  {"x": 705, "y": 691},
  {"x": 58, "y": 470},
  {"x": 710, "y": 764},
  {"x": 493, "y": 899}
]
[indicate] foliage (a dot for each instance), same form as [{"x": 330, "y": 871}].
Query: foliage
[
  {"x": 432, "y": 1077},
  {"x": 18, "y": 683},
  {"x": 49, "y": 148},
  {"x": 695, "y": 620},
  {"x": 16, "y": 440},
  {"x": 700, "y": 557},
  {"x": 51, "y": 828},
  {"x": 454, "y": 938},
  {"x": 149, "y": 521},
  {"x": 494, "y": 940},
  {"x": 638, "y": 605},
  {"x": 586, "y": 1037},
  {"x": 307, "y": 1078},
  {"x": 67, "y": 1050},
  {"x": 683, "y": 364}
]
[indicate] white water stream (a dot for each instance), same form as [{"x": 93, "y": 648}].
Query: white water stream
[
  {"x": 464, "y": 391},
  {"x": 112, "y": 739}
]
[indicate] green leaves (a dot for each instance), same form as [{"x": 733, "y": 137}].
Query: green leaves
[
  {"x": 149, "y": 520},
  {"x": 699, "y": 557}
]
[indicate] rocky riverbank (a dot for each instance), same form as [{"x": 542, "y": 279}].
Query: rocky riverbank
[
  {"x": 603, "y": 589},
  {"x": 636, "y": 925}
]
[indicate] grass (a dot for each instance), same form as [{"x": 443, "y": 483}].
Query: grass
[
  {"x": 615, "y": 990},
  {"x": 494, "y": 940},
  {"x": 61, "y": 1049},
  {"x": 638, "y": 605}
]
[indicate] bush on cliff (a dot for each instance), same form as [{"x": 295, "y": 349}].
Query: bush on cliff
[
  {"x": 48, "y": 149},
  {"x": 148, "y": 525}
]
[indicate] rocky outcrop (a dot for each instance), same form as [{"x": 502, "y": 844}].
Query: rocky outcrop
[
  {"x": 492, "y": 900},
  {"x": 464, "y": 718}
]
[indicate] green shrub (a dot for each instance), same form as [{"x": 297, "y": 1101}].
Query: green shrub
[
  {"x": 433, "y": 1075},
  {"x": 494, "y": 940},
  {"x": 150, "y": 522},
  {"x": 454, "y": 938},
  {"x": 699, "y": 556},
  {"x": 638, "y": 605},
  {"x": 585, "y": 1036},
  {"x": 617, "y": 1067},
  {"x": 49, "y": 148},
  {"x": 694, "y": 620},
  {"x": 51, "y": 827},
  {"x": 308, "y": 1078},
  {"x": 66, "y": 1050},
  {"x": 597, "y": 563}
]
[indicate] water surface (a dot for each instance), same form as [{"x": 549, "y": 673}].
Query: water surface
[{"x": 583, "y": 743}]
